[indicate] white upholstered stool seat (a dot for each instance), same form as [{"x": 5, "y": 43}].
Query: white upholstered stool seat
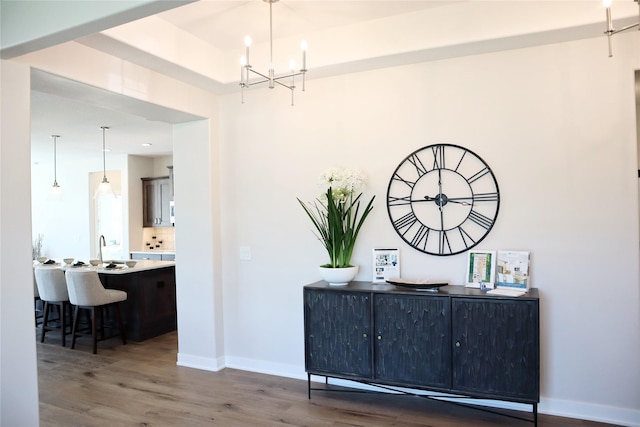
[
  {"x": 52, "y": 289},
  {"x": 87, "y": 292}
]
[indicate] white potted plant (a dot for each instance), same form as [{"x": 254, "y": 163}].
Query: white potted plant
[{"x": 337, "y": 219}]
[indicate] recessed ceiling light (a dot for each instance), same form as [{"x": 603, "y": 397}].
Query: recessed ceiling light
[{"x": 147, "y": 144}]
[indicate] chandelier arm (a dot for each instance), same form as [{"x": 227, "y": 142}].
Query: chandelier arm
[
  {"x": 284, "y": 85},
  {"x": 628, "y": 27}
]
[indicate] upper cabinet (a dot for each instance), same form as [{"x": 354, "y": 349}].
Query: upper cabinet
[{"x": 156, "y": 195}]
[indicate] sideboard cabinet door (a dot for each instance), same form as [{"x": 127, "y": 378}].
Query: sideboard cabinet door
[
  {"x": 337, "y": 333},
  {"x": 413, "y": 340},
  {"x": 496, "y": 348}
]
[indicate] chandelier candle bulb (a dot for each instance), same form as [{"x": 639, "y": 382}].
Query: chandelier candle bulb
[
  {"x": 303, "y": 46},
  {"x": 609, "y": 32},
  {"x": 247, "y": 43}
]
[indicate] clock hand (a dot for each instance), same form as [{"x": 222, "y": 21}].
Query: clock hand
[{"x": 459, "y": 202}]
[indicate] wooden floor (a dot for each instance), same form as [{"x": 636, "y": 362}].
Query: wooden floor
[{"x": 139, "y": 384}]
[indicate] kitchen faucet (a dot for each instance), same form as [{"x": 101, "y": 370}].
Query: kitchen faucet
[{"x": 101, "y": 243}]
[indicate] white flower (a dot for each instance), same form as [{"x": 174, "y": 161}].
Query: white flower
[{"x": 343, "y": 182}]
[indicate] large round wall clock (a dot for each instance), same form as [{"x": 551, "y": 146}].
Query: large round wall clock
[{"x": 443, "y": 199}]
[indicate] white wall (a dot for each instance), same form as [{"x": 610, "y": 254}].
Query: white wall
[
  {"x": 557, "y": 126},
  {"x": 160, "y": 165}
]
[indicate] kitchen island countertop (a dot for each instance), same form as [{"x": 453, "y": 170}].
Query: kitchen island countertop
[{"x": 141, "y": 265}]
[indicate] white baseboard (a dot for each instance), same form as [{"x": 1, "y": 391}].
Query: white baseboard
[
  {"x": 562, "y": 408},
  {"x": 590, "y": 411},
  {"x": 199, "y": 362}
]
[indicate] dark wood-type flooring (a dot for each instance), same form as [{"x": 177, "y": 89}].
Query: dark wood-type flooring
[{"x": 139, "y": 384}]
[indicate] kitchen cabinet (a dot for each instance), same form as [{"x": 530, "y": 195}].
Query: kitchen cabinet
[
  {"x": 458, "y": 340},
  {"x": 157, "y": 256},
  {"x": 156, "y": 195}
]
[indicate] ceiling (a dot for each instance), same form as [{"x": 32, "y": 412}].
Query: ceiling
[{"x": 344, "y": 36}]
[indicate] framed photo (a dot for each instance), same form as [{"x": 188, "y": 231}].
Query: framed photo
[
  {"x": 481, "y": 269},
  {"x": 386, "y": 264},
  {"x": 513, "y": 270}
]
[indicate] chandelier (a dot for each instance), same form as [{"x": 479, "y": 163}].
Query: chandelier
[
  {"x": 286, "y": 81},
  {"x": 610, "y": 30}
]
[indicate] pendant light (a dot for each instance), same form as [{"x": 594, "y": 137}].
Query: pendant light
[
  {"x": 55, "y": 188},
  {"x": 105, "y": 185}
]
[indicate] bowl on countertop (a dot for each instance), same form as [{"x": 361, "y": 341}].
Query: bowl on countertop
[
  {"x": 94, "y": 262},
  {"x": 130, "y": 263},
  {"x": 68, "y": 260},
  {"x": 42, "y": 259}
]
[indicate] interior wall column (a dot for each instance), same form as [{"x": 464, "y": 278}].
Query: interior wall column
[{"x": 18, "y": 365}]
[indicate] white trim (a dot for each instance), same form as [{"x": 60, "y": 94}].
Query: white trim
[
  {"x": 561, "y": 408},
  {"x": 590, "y": 411},
  {"x": 198, "y": 362}
]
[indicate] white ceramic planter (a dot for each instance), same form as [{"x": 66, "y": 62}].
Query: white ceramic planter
[{"x": 338, "y": 276}]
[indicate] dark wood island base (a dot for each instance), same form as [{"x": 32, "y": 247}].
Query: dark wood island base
[{"x": 150, "y": 308}]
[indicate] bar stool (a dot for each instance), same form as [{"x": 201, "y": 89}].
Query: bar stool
[
  {"x": 87, "y": 293},
  {"x": 52, "y": 288},
  {"x": 36, "y": 301}
]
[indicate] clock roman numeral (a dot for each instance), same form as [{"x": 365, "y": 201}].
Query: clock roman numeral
[
  {"x": 397, "y": 177},
  {"x": 438, "y": 156},
  {"x": 483, "y": 221},
  {"x": 421, "y": 237},
  {"x": 417, "y": 163},
  {"x": 444, "y": 242},
  {"x": 485, "y": 197},
  {"x": 467, "y": 240},
  {"x": 405, "y": 221},
  {"x": 478, "y": 175},
  {"x": 398, "y": 201}
]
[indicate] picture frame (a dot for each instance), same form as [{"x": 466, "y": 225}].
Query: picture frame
[
  {"x": 481, "y": 269},
  {"x": 512, "y": 270},
  {"x": 386, "y": 264}
]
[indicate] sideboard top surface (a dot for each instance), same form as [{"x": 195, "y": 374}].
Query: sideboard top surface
[{"x": 449, "y": 290}]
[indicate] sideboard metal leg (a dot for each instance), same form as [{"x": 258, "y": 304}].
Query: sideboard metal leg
[
  {"x": 309, "y": 385},
  {"x": 535, "y": 414}
]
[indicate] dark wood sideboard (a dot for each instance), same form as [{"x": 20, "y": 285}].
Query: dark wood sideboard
[
  {"x": 150, "y": 308},
  {"x": 458, "y": 340}
]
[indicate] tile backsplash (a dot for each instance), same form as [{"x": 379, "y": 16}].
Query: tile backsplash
[{"x": 158, "y": 239}]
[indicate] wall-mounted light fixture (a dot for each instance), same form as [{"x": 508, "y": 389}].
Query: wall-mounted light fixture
[
  {"x": 610, "y": 30},
  {"x": 287, "y": 81}
]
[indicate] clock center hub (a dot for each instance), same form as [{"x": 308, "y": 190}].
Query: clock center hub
[{"x": 441, "y": 199}]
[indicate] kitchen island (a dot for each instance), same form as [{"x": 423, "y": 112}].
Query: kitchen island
[{"x": 150, "y": 308}]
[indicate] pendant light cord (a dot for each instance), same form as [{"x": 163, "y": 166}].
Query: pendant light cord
[
  {"x": 104, "y": 162},
  {"x": 55, "y": 160}
]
